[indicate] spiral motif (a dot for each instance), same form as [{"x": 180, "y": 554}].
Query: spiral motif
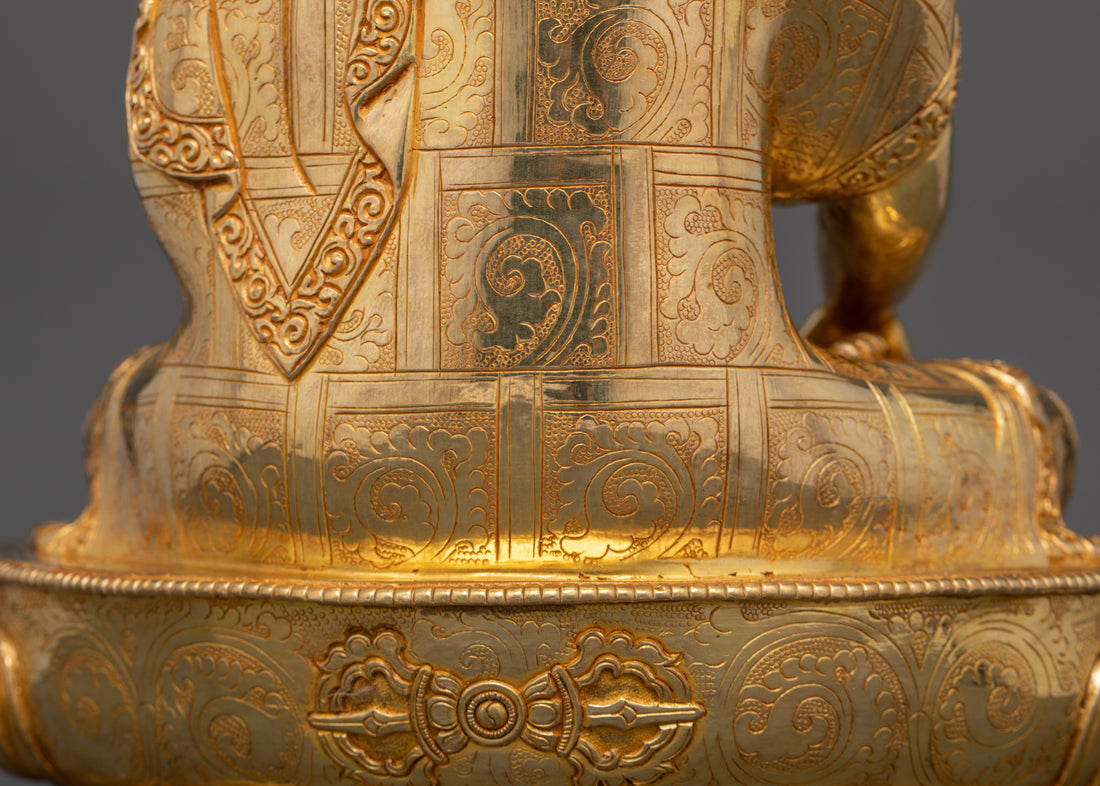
[
  {"x": 400, "y": 491},
  {"x": 615, "y": 58},
  {"x": 382, "y": 31},
  {"x": 222, "y": 500},
  {"x": 816, "y": 706},
  {"x": 827, "y": 497},
  {"x": 295, "y": 333},
  {"x": 732, "y": 275},
  {"x": 613, "y": 474},
  {"x": 531, "y": 277},
  {"x": 989, "y": 723},
  {"x": 401, "y": 502},
  {"x": 188, "y": 150},
  {"x": 608, "y": 74},
  {"x": 219, "y": 700},
  {"x": 89, "y": 714}
]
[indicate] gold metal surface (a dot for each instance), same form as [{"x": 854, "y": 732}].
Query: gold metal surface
[
  {"x": 146, "y": 680},
  {"x": 487, "y": 285},
  {"x": 487, "y": 452}
]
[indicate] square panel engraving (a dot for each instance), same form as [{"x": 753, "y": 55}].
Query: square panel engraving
[
  {"x": 621, "y": 485},
  {"x": 411, "y": 486},
  {"x": 528, "y": 278},
  {"x": 608, "y": 70}
]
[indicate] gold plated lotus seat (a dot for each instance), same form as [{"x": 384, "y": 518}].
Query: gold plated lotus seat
[{"x": 486, "y": 451}]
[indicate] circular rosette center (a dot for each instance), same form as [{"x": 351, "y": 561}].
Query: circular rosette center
[{"x": 492, "y": 713}]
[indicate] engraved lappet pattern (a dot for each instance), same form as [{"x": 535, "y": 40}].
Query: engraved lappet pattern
[
  {"x": 291, "y": 318},
  {"x": 180, "y": 147}
]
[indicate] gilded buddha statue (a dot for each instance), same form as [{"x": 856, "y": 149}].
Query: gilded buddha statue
[
  {"x": 484, "y": 333},
  {"x": 476, "y": 286}
]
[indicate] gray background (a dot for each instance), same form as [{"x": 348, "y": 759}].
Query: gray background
[{"x": 84, "y": 284}]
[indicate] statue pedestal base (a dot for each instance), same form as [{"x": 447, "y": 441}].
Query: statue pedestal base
[{"x": 113, "y": 678}]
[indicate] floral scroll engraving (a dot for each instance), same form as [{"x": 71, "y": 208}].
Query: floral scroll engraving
[
  {"x": 808, "y": 65},
  {"x": 381, "y": 32},
  {"x": 662, "y": 471},
  {"x": 816, "y": 699},
  {"x": 457, "y": 71},
  {"x": 712, "y": 304},
  {"x": 528, "y": 279},
  {"x": 987, "y": 698},
  {"x": 217, "y": 698},
  {"x": 400, "y": 488},
  {"x": 798, "y": 706},
  {"x": 832, "y": 486},
  {"x": 234, "y": 475},
  {"x": 93, "y": 709},
  {"x": 628, "y": 71},
  {"x": 365, "y": 339}
]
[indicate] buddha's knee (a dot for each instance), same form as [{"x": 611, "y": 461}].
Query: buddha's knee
[
  {"x": 1083, "y": 765},
  {"x": 110, "y": 458},
  {"x": 1062, "y": 434}
]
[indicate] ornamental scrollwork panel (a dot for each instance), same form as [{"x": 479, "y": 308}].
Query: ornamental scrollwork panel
[
  {"x": 229, "y": 467},
  {"x": 624, "y": 71},
  {"x": 980, "y": 507},
  {"x": 291, "y": 319},
  {"x": 664, "y": 471},
  {"x": 399, "y": 488},
  {"x": 184, "y": 77},
  {"x": 200, "y": 148},
  {"x": 90, "y": 706},
  {"x": 528, "y": 279},
  {"x": 458, "y": 74},
  {"x": 817, "y": 708},
  {"x": 215, "y": 699},
  {"x": 995, "y": 710},
  {"x": 832, "y": 485},
  {"x": 712, "y": 307},
  {"x": 935, "y": 691}
]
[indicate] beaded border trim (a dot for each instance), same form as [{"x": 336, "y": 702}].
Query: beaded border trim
[{"x": 516, "y": 592}]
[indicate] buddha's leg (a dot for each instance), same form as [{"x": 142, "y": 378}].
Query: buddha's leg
[
  {"x": 1046, "y": 446},
  {"x": 873, "y": 248},
  {"x": 110, "y": 464}
]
